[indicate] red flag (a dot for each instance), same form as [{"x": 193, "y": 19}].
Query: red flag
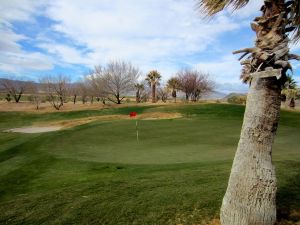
[{"x": 132, "y": 114}]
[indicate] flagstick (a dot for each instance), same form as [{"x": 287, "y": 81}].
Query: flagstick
[{"x": 137, "y": 131}]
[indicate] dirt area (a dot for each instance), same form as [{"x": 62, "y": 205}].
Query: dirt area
[
  {"x": 159, "y": 116},
  {"x": 46, "y": 107},
  {"x": 64, "y": 124},
  {"x": 144, "y": 116}
]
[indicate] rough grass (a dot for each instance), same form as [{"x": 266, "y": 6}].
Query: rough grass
[{"x": 98, "y": 173}]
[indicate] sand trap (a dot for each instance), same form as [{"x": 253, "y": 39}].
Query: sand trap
[
  {"x": 65, "y": 124},
  {"x": 32, "y": 130}
]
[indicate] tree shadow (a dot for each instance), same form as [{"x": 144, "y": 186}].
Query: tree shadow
[{"x": 288, "y": 194}]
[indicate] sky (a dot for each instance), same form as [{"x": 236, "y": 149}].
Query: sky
[{"x": 71, "y": 37}]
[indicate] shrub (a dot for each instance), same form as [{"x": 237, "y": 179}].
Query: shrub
[{"x": 237, "y": 99}]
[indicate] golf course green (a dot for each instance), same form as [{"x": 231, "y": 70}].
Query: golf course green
[{"x": 98, "y": 173}]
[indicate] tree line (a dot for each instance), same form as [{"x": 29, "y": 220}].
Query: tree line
[{"x": 112, "y": 83}]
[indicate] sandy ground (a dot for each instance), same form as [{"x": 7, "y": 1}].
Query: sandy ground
[
  {"x": 32, "y": 130},
  {"x": 64, "y": 124},
  {"x": 46, "y": 107}
]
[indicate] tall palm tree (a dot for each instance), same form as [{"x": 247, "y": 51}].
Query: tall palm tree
[
  {"x": 173, "y": 83},
  {"x": 251, "y": 192},
  {"x": 153, "y": 78},
  {"x": 290, "y": 82},
  {"x": 290, "y": 91}
]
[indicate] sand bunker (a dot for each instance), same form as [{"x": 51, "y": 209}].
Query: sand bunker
[
  {"x": 32, "y": 130},
  {"x": 64, "y": 124}
]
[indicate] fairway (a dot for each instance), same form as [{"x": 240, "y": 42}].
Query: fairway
[{"x": 98, "y": 173}]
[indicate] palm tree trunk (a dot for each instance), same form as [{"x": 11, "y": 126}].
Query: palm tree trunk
[
  {"x": 251, "y": 192},
  {"x": 153, "y": 92},
  {"x": 292, "y": 103},
  {"x": 250, "y": 198}
]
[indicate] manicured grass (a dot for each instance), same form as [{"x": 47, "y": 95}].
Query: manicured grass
[{"x": 98, "y": 173}]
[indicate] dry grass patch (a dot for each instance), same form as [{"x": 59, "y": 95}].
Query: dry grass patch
[
  {"x": 159, "y": 116},
  {"x": 46, "y": 107},
  {"x": 214, "y": 222},
  {"x": 81, "y": 121},
  {"x": 76, "y": 122}
]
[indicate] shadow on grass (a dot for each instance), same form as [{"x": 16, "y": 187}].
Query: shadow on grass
[
  {"x": 21, "y": 148},
  {"x": 288, "y": 195},
  {"x": 17, "y": 181}
]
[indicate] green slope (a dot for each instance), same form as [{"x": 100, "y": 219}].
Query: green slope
[{"x": 99, "y": 174}]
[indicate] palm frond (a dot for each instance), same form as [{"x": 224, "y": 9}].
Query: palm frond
[
  {"x": 295, "y": 16},
  {"x": 211, "y": 7}
]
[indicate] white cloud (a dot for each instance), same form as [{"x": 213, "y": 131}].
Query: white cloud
[
  {"x": 252, "y": 8},
  {"x": 16, "y": 10},
  {"x": 64, "y": 53},
  {"x": 225, "y": 69},
  {"x": 152, "y": 34},
  {"x": 23, "y": 61},
  {"x": 9, "y": 39},
  {"x": 144, "y": 32},
  {"x": 14, "y": 59}
]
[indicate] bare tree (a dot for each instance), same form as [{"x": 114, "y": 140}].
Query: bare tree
[
  {"x": 187, "y": 82},
  {"x": 146, "y": 94},
  {"x": 116, "y": 80},
  {"x": 194, "y": 84},
  {"x": 35, "y": 95},
  {"x": 83, "y": 91},
  {"x": 94, "y": 79},
  {"x": 8, "y": 97},
  {"x": 56, "y": 89},
  {"x": 163, "y": 93},
  {"x": 14, "y": 88},
  {"x": 143, "y": 91},
  {"x": 74, "y": 91}
]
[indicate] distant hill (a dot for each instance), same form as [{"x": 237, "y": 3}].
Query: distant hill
[
  {"x": 17, "y": 82},
  {"x": 214, "y": 95},
  {"x": 210, "y": 96},
  {"x": 27, "y": 83},
  {"x": 234, "y": 94}
]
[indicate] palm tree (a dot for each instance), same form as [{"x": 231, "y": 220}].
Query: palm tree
[
  {"x": 173, "y": 83},
  {"x": 290, "y": 82},
  {"x": 139, "y": 88},
  {"x": 290, "y": 91},
  {"x": 153, "y": 78},
  {"x": 251, "y": 192}
]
